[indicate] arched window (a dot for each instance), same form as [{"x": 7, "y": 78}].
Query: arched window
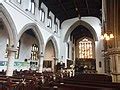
[
  {"x": 42, "y": 15},
  {"x": 56, "y": 27},
  {"x": 85, "y": 48},
  {"x": 49, "y": 22},
  {"x": 34, "y": 52},
  {"x": 19, "y": 1},
  {"x": 31, "y": 7}
]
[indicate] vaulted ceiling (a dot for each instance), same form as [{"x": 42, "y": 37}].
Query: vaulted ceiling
[{"x": 67, "y": 9}]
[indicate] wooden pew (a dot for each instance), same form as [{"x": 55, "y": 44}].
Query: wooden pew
[
  {"x": 92, "y": 77},
  {"x": 86, "y": 82},
  {"x": 66, "y": 86},
  {"x": 98, "y": 84}
]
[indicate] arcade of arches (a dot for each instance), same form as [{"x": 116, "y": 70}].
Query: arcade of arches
[{"x": 28, "y": 43}]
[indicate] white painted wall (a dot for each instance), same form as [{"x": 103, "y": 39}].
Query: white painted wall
[
  {"x": 3, "y": 41},
  {"x": 17, "y": 14},
  {"x": 1, "y": 1}
]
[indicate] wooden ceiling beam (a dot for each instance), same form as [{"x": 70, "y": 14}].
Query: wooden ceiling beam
[{"x": 66, "y": 14}]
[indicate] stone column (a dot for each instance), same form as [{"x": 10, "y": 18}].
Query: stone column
[
  {"x": 10, "y": 65},
  {"x": 70, "y": 50},
  {"x": 67, "y": 53},
  {"x": 55, "y": 64},
  {"x": 41, "y": 58}
]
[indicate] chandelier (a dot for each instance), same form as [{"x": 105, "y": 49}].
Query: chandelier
[{"x": 107, "y": 36}]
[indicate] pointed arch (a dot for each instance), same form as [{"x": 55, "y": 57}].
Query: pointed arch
[
  {"x": 37, "y": 32},
  {"x": 9, "y": 25},
  {"x": 83, "y": 23},
  {"x": 54, "y": 43}
]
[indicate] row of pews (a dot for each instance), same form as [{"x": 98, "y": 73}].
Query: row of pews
[
  {"x": 31, "y": 80},
  {"x": 87, "y": 82}
]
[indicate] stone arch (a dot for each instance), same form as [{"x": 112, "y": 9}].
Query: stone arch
[
  {"x": 51, "y": 53},
  {"x": 54, "y": 43},
  {"x": 37, "y": 32},
  {"x": 9, "y": 25},
  {"x": 83, "y": 23}
]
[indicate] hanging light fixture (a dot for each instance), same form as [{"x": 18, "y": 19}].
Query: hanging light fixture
[
  {"x": 111, "y": 35},
  {"x": 106, "y": 36}
]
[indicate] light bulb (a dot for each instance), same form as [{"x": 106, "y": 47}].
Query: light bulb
[
  {"x": 107, "y": 38},
  {"x": 105, "y": 35},
  {"x": 111, "y": 36}
]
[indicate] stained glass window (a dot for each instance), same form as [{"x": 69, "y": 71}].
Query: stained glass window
[
  {"x": 85, "y": 48},
  {"x": 34, "y": 52}
]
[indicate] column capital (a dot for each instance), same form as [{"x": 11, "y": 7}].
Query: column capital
[
  {"x": 40, "y": 55},
  {"x": 12, "y": 49},
  {"x": 55, "y": 58}
]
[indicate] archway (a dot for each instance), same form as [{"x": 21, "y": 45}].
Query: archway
[
  {"x": 83, "y": 23},
  {"x": 7, "y": 22},
  {"x": 30, "y": 45},
  {"x": 51, "y": 54},
  {"x": 37, "y": 32},
  {"x": 7, "y": 40},
  {"x": 7, "y": 34},
  {"x": 80, "y": 39}
]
